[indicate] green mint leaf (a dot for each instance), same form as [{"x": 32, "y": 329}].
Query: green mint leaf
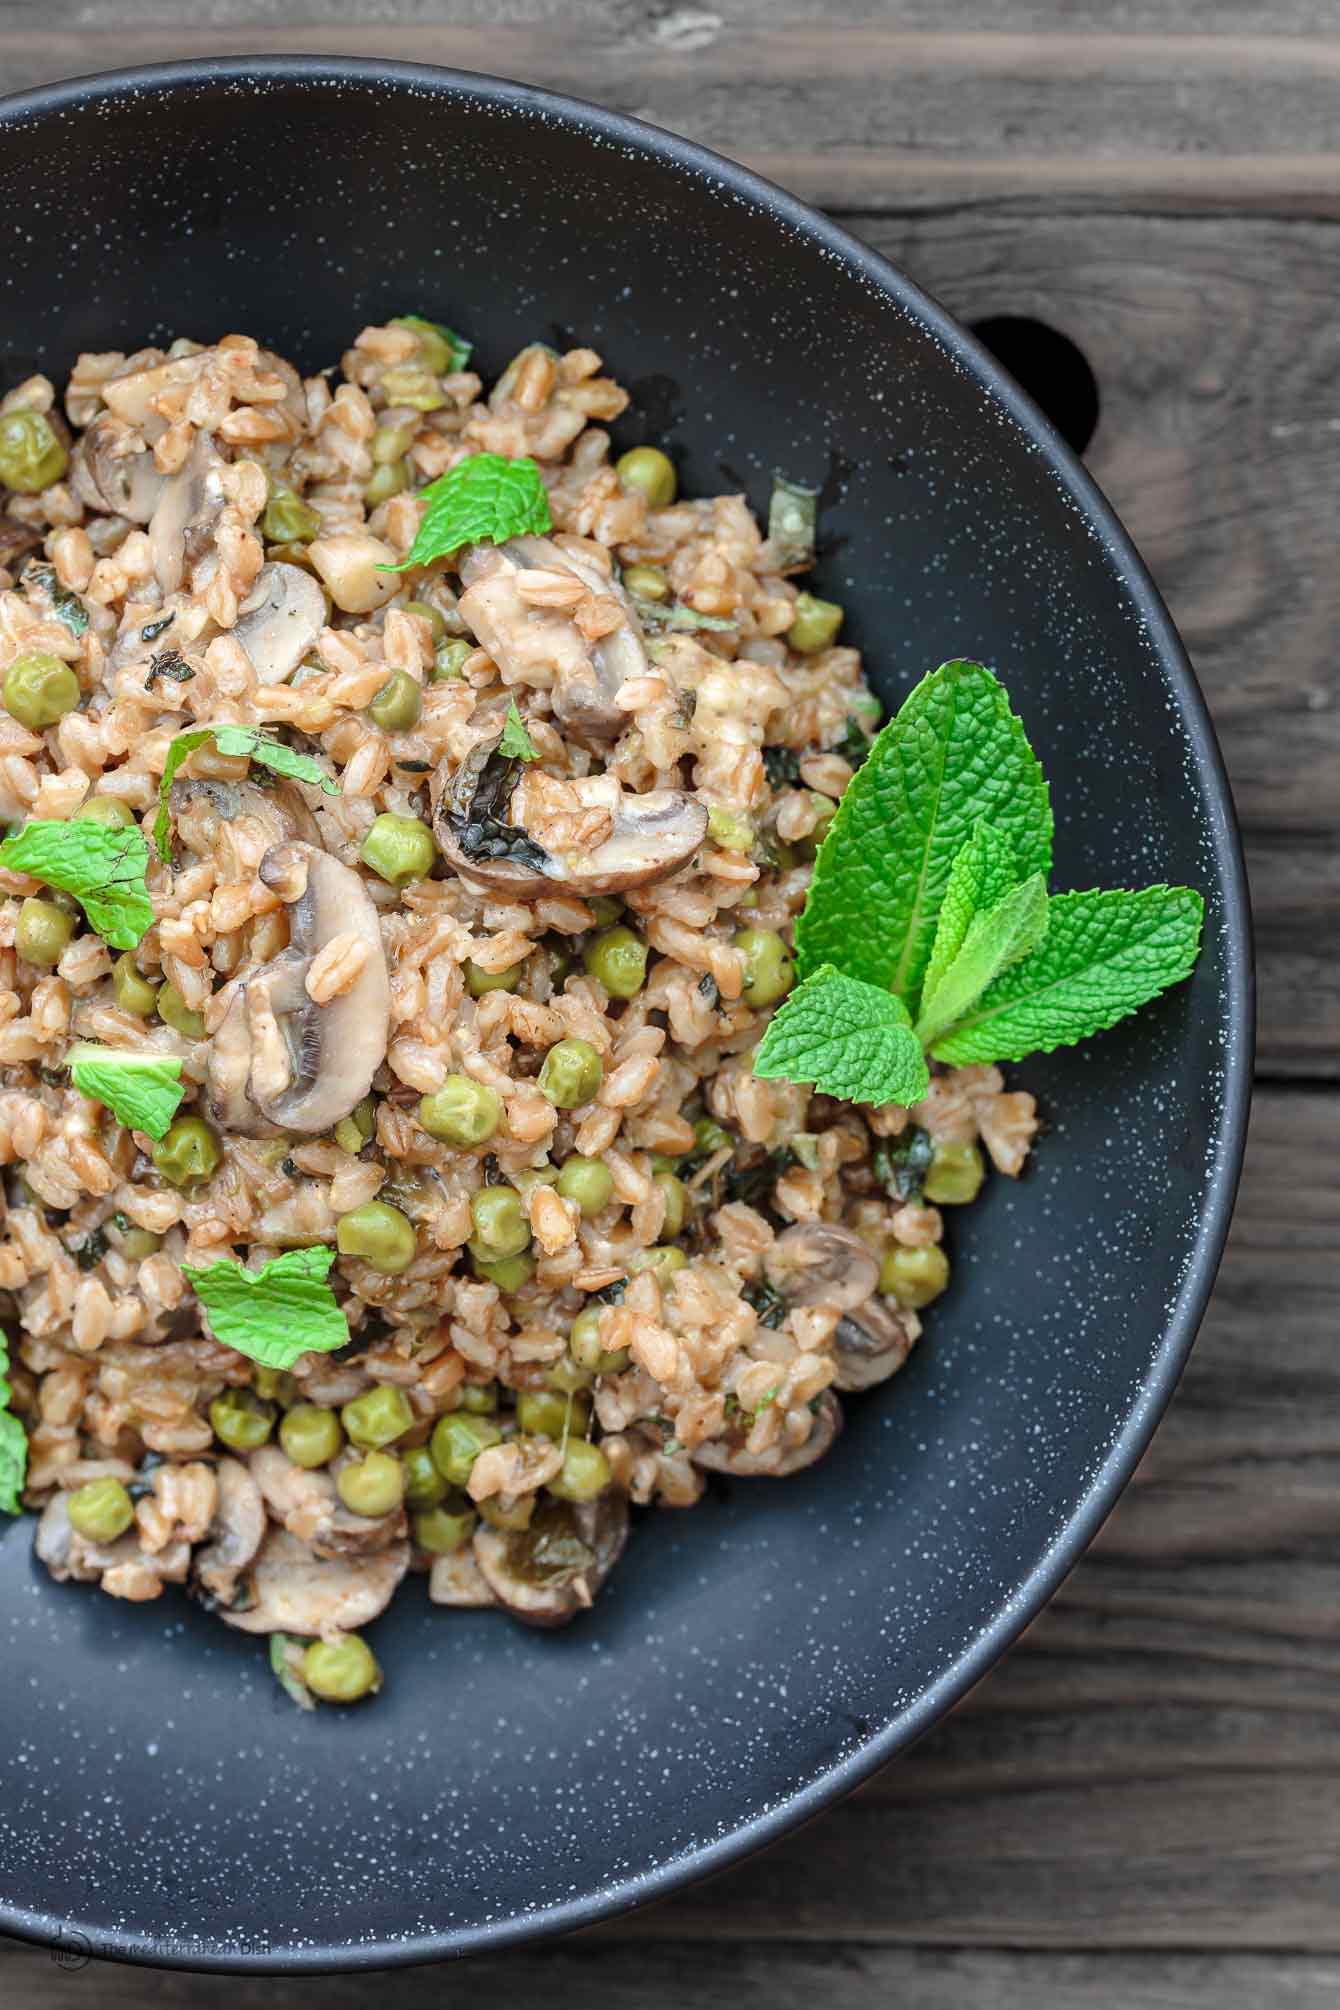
[
  {"x": 284, "y": 1673},
  {"x": 101, "y": 865},
  {"x": 995, "y": 939},
  {"x": 459, "y": 351},
  {"x": 143, "y": 1090},
  {"x": 13, "y": 1442},
  {"x": 515, "y": 741},
  {"x": 793, "y": 513},
  {"x": 1105, "y": 955},
  {"x": 274, "y": 1314},
  {"x": 847, "y": 1039},
  {"x": 954, "y": 753},
  {"x": 249, "y": 740},
  {"x": 484, "y": 500},
  {"x": 981, "y": 875}
]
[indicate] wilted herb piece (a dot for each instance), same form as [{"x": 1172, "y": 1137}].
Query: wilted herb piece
[
  {"x": 902, "y": 1163},
  {"x": 153, "y": 629},
  {"x": 781, "y": 765},
  {"x": 674, "y": 618},
  {"x": 284, "y": 1671},
  {"x": 792, "y": 515},
  {"x": 767, "y": 1303},
  {"x": 611, "y": 1294},
  {"x": 67, "y": 607},
  {"x": 89, "y": 1253},
  {"x": 753, "y": 1183},
  {"x": 167, "y": 663},
  {"x": 13, "y": 1442}
]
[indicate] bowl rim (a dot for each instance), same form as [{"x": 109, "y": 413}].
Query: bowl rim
[{"x": 1114, "y": 1469}]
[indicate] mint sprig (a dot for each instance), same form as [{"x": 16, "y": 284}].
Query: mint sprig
[
  {"x": 248, "y": 740},
  {"x": 274, "y": 1314},
  {"x": 143, "y": 1090},
  {"x": 102, "y": 865},
  {"x": 845, "y": 1038},
  {"x": 516, "y": 742},
  {"x": 484, "y": 500},
  {"x": 13, "y": 1442},
  {"x": 995, "y": 938}
]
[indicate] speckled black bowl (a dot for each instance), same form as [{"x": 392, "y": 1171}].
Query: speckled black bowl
[{"x": 160, "y": 1798}]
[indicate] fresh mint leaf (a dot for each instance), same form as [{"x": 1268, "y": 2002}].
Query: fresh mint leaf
[
  {"x": 484, "y": 500},
  {"x": 845, "y": 1038},
  {"x": 143, "y": 1090},
  {"x": 982, "y": 874},
  {"x": 249, "y": 740},
  {"x": 954, "y": 753},
  {"x": 1105, "y": 954},
  {"x": 995, "y": 939},
  {"x": 101, "y": 865},
  {"x": 515, "y": 742},
  {"x": 459, "y": 351},
  {"x": 274, "y": 1314},
  {"x": 13, "y": 1442},
  {"x": 793, "y": 514}
]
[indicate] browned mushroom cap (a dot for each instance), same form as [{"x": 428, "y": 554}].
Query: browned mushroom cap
[
  {"x": 817, "y": 1263},
  {"x": 122, "y": 1567},
  {"x": 58, "y": 1547},
  {"x": 872, "y": 1342},
  {"x": 235, "y": 1534},
  {"x": 728, "y": 1455},
  {"x": 308, "y": 1505},
  {"x": 185, "y": 514},
  {"x": 458, "y": 1580},
  {"x": 201, "y": 806},
  {"x": 279, "y": 620},
  {"x": 289, "y": 1590},
  {"x": 546, "y": 1574},
  {"x": 113, "y": 472},
  {"x": 588, "y": 676},
  {"x": 278, "y": 1055},
  {"x": 653, "y": 835}
]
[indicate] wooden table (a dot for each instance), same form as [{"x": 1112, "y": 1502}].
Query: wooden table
[{"x": 1140, "y": 1807}]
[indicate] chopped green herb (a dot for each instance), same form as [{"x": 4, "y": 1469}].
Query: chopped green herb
[
  {"x": 902, "y": 1163},
  {"x": 248, "y": 740},
  {"x": 274, "y": 1314},
  {"x": 89, "y": 1253},
  {"x": 167, "y": 663},
  {"x": 143, "y": 1090},
  {"x": 67, "y": 607},
  {"x": 102, "y": 865},
  {"x": 768, "y": 1304},
  {"x": 13, "y": 1442},
  {"x": 484, "y": 500},
  {"x": 792, "y": 516},
  {"x": 515, "y": 742}
]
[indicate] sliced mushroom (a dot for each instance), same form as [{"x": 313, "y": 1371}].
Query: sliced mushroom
[
  {"x": 235, "y": 1534},
  {"x": 546, "y": 1574},
  {"x": 16, "y": 541},
  {"x": 279, "y": 620},
  {"x": 200, "y": 807},
  {"x": 817, "y": 1263},
  {"x": 180, "y": 527},
  {"x": 123, "y": 1569},
  {"x": 58, "y": 1547},
  {"x": 111, "y": 480},
  {"x": 292, "y": 1591},
  {"x": 278, "y": 1056},
  {"x": 134, "y": 395},
  {"x": 871, "y": 1343},
  {"x": 520, "y": 638},
  {"x": 458, "y": 1580},
  {"x": 728, "y": 1455},
  {"x": 653, "y": 835},
  {"x": 308, "y": 1505}
]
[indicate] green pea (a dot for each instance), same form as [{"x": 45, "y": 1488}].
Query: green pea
[
  {"x": 399, "y": 849},
  {"x": 310, "y": 1435},
  {"x": 462, "y": 1111},
  {"x": 240, "y": 1420},
  {"x": 565, "y": 1376},
  {"x": 424, "y": 1484},
  {"x": 137, "y": 1243},
  {"x": 731, "y": 829},
  {"x": 100, "y": 1511},
  {"x": 109, "y": 810},
  {"x": 478, "y": 982},
  {"x": 176, "y": 1013},
  {"x": 457, "y": 1440},
  {"x": 39, "y": 689},
  {"x": 501, "y": 1228},
  {"x": 133, "y": 992},
  {"x": 814, "y": 625},
  {"x": 527, "y": 1178},
  {"x": 676, "y": 1203},
  {"x": 342, "y": 1670},
  {"x": 955, "y": 1174},
  {"x": 480, "y": 1398},
  {"x": 378, "y": 1417},
  {"x": 431, "y": 615},
  {"x": 512, "y": 1518},
  {"x": 546, "y": 1413},
  {"x": 913, "y": 1277},
  {"x": 372, "y": 1485},
  {"x": 605, "y": 908},
  {"x": 649, "y": 473},
  {"x": 662, "y": 1259},
  {"x": 405, "y": 384},
  {"x": 584, "y": 1339},
  {"x": 188, "y": 1153},
  {"x": 42, "y": 932},
  {"x": 441, "y": 1532},
  {"x": 617, "y": 958},
  {"x": 275, "y": 1384},
  {"x": 585, "y": 1472},
  {"x": 587, "y": 1181},
  {"x": 646, "y": 582},
  {"x": 391, "y": 443},
  {"x": 398, "y": 704},
  {"x": 509, "y": 1273},
  {"x": 571, "y": 1074},
  {"x": 710, "y": 1137},
  {"x": 382, "y": 1236},
  {"x": 31, "y": 454},
  {"x": 434, "y": 348},
  {"x": 288, "y": 519},
  {"x": 349, "y": 1137},
  {"x": 448, "y": 658},
  {"x": 391, "y": 479},
  {"x": 768, "y": 969}
]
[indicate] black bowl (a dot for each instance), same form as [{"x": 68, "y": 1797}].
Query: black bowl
[{"x": 753, "y": 1660}]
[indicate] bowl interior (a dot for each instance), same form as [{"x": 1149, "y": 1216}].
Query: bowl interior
[{"x": 160, "y": 1793}]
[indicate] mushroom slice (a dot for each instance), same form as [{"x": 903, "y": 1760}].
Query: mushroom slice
[
  {"x": 521, "y": 638},
  {"x": 16, "y": 541},
  {"x": 185, "y": 514},
  {"x": 200, "y": 807},
  {"x": 292, "y": 1591},
  {"x": 304, "y": 1066},
  {"x": 817, "y": 1263},
  {"x": 728, "y": 1455},
  {"x": 872, "y": 1342},
  {"x": 546, "y": 1574},
  {"x": 58, "y": 1547},
  {"x": 123, "y": 1569},
  {"x": 110, "y": 480},
  {"x": 133, "y": 396},
  {"x": 235, "y": 1534},
  {"x": 652, "y": 835},
  {"x": 458, "y": 1580},
  {"x": 279, "y": 620},
  {"x": 307, "y": 1503}
]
